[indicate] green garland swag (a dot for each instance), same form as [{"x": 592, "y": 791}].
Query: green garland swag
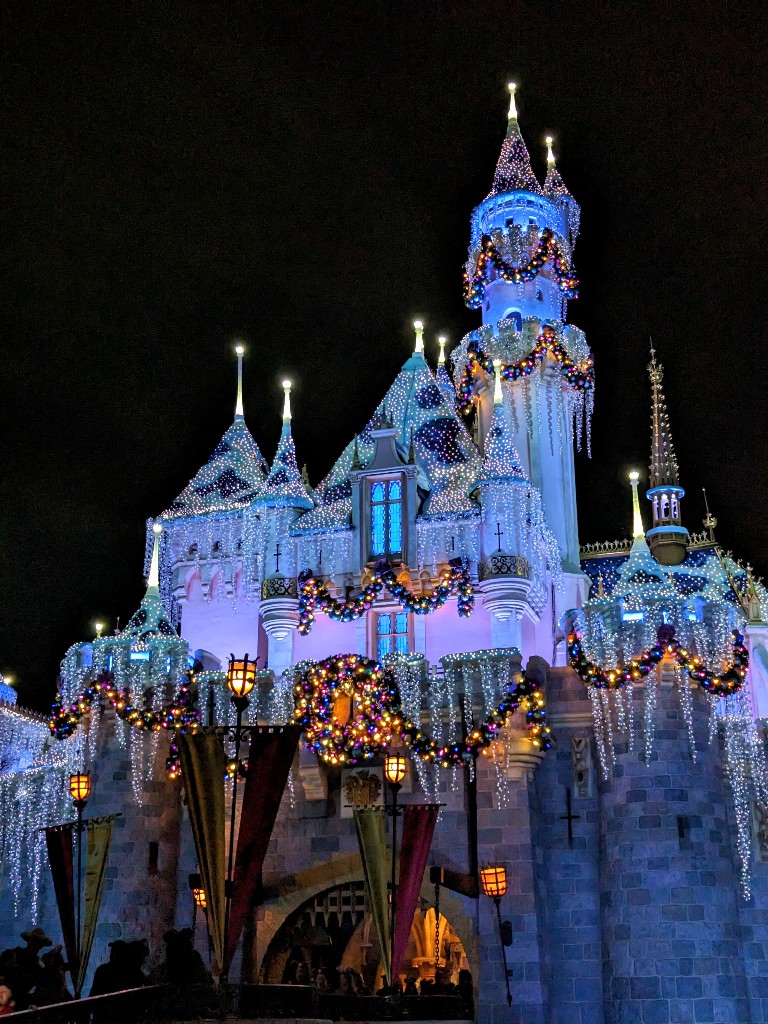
[
  {"x": 547, "y": 251},
  {"x": 579, "y": 376},
  {"x": 728, "y": 682},
  {"x": 454, "y": 579}
]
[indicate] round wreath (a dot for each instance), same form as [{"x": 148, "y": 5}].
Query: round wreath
[
  {"x": 375, "y": 715},
  {"x": 729, "y": 681},
  {"x": 547, "y": 250},
  {"x": 378, "y": 717},
  {"x": 454, "y": 579},
  {"x": 579, "y": 376}
]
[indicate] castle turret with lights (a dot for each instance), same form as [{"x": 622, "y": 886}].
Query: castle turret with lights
[{"x": 566, "y": 740}]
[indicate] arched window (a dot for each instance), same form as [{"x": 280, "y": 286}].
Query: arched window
[
  {"x": 386, "y": 518},
  {"x": 516, "y": 316},
  {"x": 216, "y": 549}
]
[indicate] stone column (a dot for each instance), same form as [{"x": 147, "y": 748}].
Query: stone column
[{"x": 669, "y": 887}]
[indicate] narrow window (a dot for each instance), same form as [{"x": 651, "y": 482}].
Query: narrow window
[
  {"x": 392, "y": 633},
  {"x": 386, "y": 518}
]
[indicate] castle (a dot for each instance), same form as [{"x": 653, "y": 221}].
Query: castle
[{"x": 444, "y": 544}]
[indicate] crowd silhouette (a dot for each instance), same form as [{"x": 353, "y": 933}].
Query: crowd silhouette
[{"x": 30, "y": 979}]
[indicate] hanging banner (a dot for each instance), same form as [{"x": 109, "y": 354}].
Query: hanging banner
[
  {"x": 269, "y": 761},
  {"x": 203, "y": 766},
  {"x": 59, "y": 841},
  {"x": 418, "y": 828},
  {"x": 371, "y": 837},
  {"x": 99, "y": 832}
]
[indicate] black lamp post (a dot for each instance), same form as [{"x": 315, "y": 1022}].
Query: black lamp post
[
  {"x": 394, "y": 771},
  {"x": 241, "y": 678},
  {"x": 494, "y": 881},
  {"x": 79, "y": 790}
]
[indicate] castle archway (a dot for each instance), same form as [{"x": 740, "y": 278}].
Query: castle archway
[{"x": 333, "y": 932}]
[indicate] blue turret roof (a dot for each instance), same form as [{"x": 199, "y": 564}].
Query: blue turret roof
[
  {"x": 230, "y": 479},
  {"x": 513, "y": 170},
  {"x": 284, "y": 485},
  {"x": 501, "y": 461},
  {"x": 446, "y": 457}
]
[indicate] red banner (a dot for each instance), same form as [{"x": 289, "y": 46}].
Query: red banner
[
  {"x": 58, "y": 839},
  {"x": 269, "y": 761},
  {"x": 418, "y": 828}
]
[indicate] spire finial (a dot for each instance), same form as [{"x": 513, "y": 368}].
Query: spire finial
[
  {"x": 441, "y": 358},
  {"x": 637, "y": 519},
  {"x": 419, "y": 328},
  {"x": 287, "y": 403},
  {"x": 498, "y": 396},
  {"x": 239, "y": 352},
  {"x": 512, "y": 115},
  {"x": 710, "y": 522},
  {"x": 550, "y": 154},
  {"x": 153, "y": 580}
]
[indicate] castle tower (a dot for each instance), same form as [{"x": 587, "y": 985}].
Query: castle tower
[
  {"x": 668, "y": 538},
  {"x": 285, "y": 498},
  {"x": 519, "y": 274}
]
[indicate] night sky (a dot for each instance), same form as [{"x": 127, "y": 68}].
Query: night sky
[{"x": 302, "y": 175}]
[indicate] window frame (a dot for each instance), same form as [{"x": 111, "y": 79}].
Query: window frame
[
  {"x": 394, "y": 611},
  {"x": 386, "y": 481}
]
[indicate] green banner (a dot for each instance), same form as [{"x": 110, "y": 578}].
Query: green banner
[
  {"x": 203, "y": 766},
  {"x": 99, "y": 834},
  {"x": 371, "y": 836}
]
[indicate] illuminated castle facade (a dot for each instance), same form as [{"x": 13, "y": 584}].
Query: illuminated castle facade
[{"x": 637, "y": 848}]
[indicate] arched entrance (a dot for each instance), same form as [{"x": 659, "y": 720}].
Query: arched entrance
[{"x": 333, "y": 932}]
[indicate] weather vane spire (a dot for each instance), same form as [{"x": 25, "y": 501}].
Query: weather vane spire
[
  {"x": 550, "y": 155},
  {"x": 441, "y": 358},
  {"x": 287, "y": 403}
]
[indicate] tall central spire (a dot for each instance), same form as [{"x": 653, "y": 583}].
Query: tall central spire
[
  {"x": 513, "y": 171},
  {"x": 664, "y": 468},
  {"x": 668, "y": 538}
]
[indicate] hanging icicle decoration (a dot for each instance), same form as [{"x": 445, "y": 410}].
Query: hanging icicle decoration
[
  {"x": 599, "y": 727},
  {"x": 686, "y": 706},
  {"x": 649, "y": 712}
]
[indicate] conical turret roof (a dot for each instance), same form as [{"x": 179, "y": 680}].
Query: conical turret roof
[
  {"x": 446, "y": 457},
  {"x": 501, "y": 460},
  {"x": 230, "y": 479},
  {"x": 513, "y": 169},
  {"x": 284, "y": 484}
]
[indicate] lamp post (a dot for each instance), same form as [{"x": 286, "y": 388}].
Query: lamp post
[
  {"x": 241, "y": 678},
  {"x": 394, "y": 771},
  {"x": 494, "y": 881},
  {"x": 79, "y": 790}
]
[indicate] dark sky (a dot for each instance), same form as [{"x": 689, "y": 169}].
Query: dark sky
[{"x": 302, "y": 174}]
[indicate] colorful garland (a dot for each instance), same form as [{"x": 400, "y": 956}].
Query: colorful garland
[
  {"x": 547, "y": 251},
  {"x": 454, "y": 579},
  {"x": 580, "y": 377},
  {"x": 729, "y": 681},
  {"x": 180, "y": 713},
  {"x": 377, "y": 714}
]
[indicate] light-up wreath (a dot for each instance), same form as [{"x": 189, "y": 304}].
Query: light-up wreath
[{"x": 349, "y": 709}]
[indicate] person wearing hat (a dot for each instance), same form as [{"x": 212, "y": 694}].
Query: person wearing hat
[
  {"x": 112, "y": 976},
  {"x": 21, "y": 966}
]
